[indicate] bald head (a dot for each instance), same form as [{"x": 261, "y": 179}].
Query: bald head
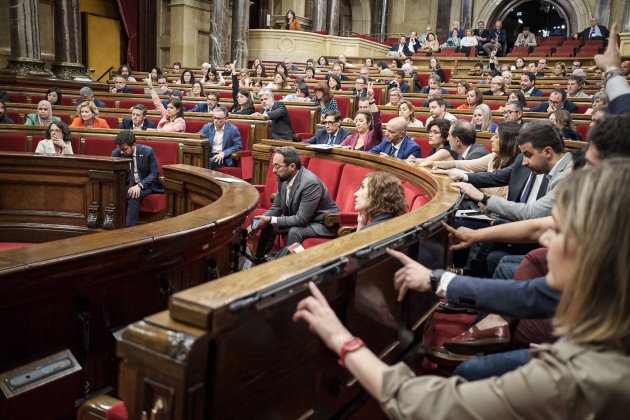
[{"x": 396, "y": 130}]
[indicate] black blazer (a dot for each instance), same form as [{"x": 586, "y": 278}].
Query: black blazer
[
  {"x": 127, "y": 124},
  {"x": 405, "y": 49},
  {"x": 280, "y": 122},
  {"x": 515, "y": 176},
  {"x": 568, "y": 105}
]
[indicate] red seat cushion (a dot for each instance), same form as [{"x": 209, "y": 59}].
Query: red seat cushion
[
  {"x": 129, "y": 103},
  {"x": 302, "y": 119},
  {"x": 351, "y": 178},
  {"x": 117, "y": 412},
  {"x": 153, "y": 203},
  {"x": 193, "y": 126},
  {"x": 424, "y": 145},
  {"x": 12, "y": 142},
  {"x": 344, "y": 103},
  {"x": 99, "y": 146},
  {"x": 311, "y": 242},
  {"x": 6, "y": 246},
  {"x": 112, "y": 121},
  {"x": 420, "y": 201},
  {"x": 329, "y": 171}
]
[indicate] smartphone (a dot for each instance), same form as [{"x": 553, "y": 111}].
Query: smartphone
[{"x": 255, "y": 223}]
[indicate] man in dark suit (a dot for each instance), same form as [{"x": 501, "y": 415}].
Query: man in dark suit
[
  {"x": 462, "y": 138},
  {"x": 278, "y": 114},
  {"x": 528, "y": 81},
  {"x": 396, "y": 142},
  {"x": 224, "y": 139},
  {"x": 337, "y": 70},
  {"x": 360, "y": 89},
  {"x": 144, "y": 172},
  {"x": 497, "y": 40},
  {"x": 400, "y": 48},
  {"x": 332, "y": 133},
  {"x": 299, "y": 207},
  {"x": 87, "y": 95},
  {"x": 120, "y": 85},
  {"x": 212, "y": 101},
  {"x": 138, "y": 120},
  {"x": 595, "y": 31},
  {"x": 557, "y": 100}
]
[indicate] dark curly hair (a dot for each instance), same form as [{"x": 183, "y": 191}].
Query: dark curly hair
[
  {"x": 444, "y": 126},
  {"x": 385, "y": 195}
]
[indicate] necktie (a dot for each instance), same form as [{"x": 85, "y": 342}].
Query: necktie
[
  {"x": 592, "y": 33},
  {"x": 528, "y": 188},
  {"x": 131, "y": 180},
  {"x": 288, "y": 192},
  {"x": 392, "y": 152},
  {"x": 331, "y": 140}
]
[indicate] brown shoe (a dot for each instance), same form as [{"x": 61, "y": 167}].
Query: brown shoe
[
  {"x": 475, "y": 341},
  {"x": 443, "y": 357}
]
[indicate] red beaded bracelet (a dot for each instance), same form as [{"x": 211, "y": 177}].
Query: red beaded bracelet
[{"x": 352, "y": 345}]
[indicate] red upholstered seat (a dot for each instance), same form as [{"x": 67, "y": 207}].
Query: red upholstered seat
[
  {"x": 413, "y": 193},
  {"x": 423, "y": 143},
  {"x": 351, "y": 178},
  {"x": 447, "y": 74},
  {"x": 7, "y": 246},
  {"x": 582, "y": 108},
  {"x": 311, "y": 242},
  {"x": 111, "y": 121},
  {"x": 302, "y": 119},
  {"x": 99, "y": 146},
  {"x": 13, "y": 142},
  {"x": 167, "y": 153},
  {"x": 420, "y": 201},
  {"x": 244, "y": 168},
  {"x": 111, "y": 103},
  {"x": 193, "y": 126},
  {"x": 582, "y": 129},
  {"x": 15, "y": 116},
  {"x": 329, "y": 171},
  {"x": 117, "y": 412},
  {"x": 128, "y": 103},
  {"x": 345, "y": 105},
  {"x": 378, "y": 95},
  {"x": 18, "y": 97},
  {"x": 388, "y": 115}
]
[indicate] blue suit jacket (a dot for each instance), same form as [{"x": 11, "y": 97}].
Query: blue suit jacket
[
  {"x": 568, "y": 105},
  {"x": 127, "y": 124},
  {"x": 321, "y": 136},
  {"x": 148, "y": 169},
  {"x": 537, "y": 92},
  {"x": 231, "y": 140},
  {"x": 518, "y": 298},
  {"x": 97, "y": 102},
  {"x": 408, "y": 147},
  {"x": 202, "y": 107}
]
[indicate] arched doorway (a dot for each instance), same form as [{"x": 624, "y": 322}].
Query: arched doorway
[{"x": 576, "y": 14}]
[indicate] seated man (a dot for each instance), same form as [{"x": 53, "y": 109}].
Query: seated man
[
  {"x": 120, "y": 85},
  {"x": 396, "y": 142},
  {"x": 462, "y": 137},
  {"x": 399, "y": 82},
  {"x": 528, "y": 82},
  {"x": 138, "y": 120},
  {"x": 224, "y": 138},
  {"x": 278, "y": 114},
  {"x": 595, "y": 31},
  {"x": 144, "y": 172},
  {"x": 332, "y": 133},
  {"x": 400, "y": 48},
  {"x": 337, "y": 70},
  {"x": 212, "y": 101},
  {"x": 87, "y": 95},
  {"x": 437, "y": 108},
  {"x": 299, "y": 207},
  {"x": 360, "y": 89},
  {"x": 433, "y": 83},
  {"x": 526, "y": 39},
  {"x": 574, "y": 87},
  {"x": 557, "y": 100},
  {"x": 435, "y": 93}
]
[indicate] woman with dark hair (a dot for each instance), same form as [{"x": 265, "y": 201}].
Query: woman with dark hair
[
  {"x": 282, "y": 68},
  {"x": 436, "y": 68},
  {"x": 53, "y": 95},
  {"x": 430, "y": 45},
  {"x": 517, "y": 95},
  {"x": 396, "y": 63},
  {"x": 380, "y": 197},
  {"x": 43, "y": 116},
  {"x": 369, "y": 63},
  {"x": 56, "y": 141},
  {"x": 243, "y": 103},
  {"x": 504, "y": 151},
  {"x": 172, "y": 116},
  {"x": 125, "y": 71},
  {"x": 196, "y": 91},
  {"x": 369, "y": 130},
  {"x": 438, "y": 139},
  {"x": 279, "y": 82},
  {"x": 474, "y": 97},
  {"x": 4, "y": 119},
  {"x": 309, "y": 73},
  {"x": 322, "y": 61},
  {"x": 87, "y": 117},
  {"x": 324, "y": 97},
  {"x": 154, "y": 74},
  {"x": 291, "y": 23},
  {"x": 463, "y": 87},
  {"x": 187, "y": 78},
  {"x": 334, "y": 82},
  {"x": 259, "y": 71},
  {"x": 561, "y": 118},
  {"x": 213, "y": 77},
  {"x": 255, "y": 63},
  {"x": 301, "y": 94},
  {"x": 582, "y": 375}
]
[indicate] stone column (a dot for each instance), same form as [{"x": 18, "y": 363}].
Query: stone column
[
  {"x": 218, "y": 32},
  {"x": 625, "y": 27},
  {"x": 465, "y": 17},
  {"x": 24, "y": 30},
  {"x": 333, "y": 17},
  {"x": 240, "y": 32},
  {"x": 319, "y": 15},
  {"x": 603, "y": 12},
  {"x": 67, "y": 41},
  {"x": 383, "y": 23}
]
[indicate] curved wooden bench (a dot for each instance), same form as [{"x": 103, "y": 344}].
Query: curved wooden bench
[
  {"x": 74, "y": 293},
  {"x": 228, "y": 348}
]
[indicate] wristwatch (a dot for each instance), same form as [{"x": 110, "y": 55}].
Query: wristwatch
[
  {"x": 484, "y": 200},
  {"x": 611, "y": 72},
  {"x": 434, "y": 278},
  {"x": 352, "y": 345}
]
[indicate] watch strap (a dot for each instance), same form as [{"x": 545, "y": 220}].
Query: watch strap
[{"x": 436, "y": 276}]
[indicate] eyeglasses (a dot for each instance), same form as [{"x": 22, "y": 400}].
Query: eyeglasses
[
  {"x": 330, "y": 122},
  {"x": 508, "y": 112},
  {"x": 278, "y": 166},
  {"x": 219, "y": 118},
  {"x": 55, "y": 130}
]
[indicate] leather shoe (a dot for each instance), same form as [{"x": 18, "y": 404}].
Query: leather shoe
[
  {"x": 442, "y": 357},
  {"x": 474, "y": 340}
]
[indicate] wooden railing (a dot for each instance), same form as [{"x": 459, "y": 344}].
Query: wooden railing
[{"x": 75, "y": 293}]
